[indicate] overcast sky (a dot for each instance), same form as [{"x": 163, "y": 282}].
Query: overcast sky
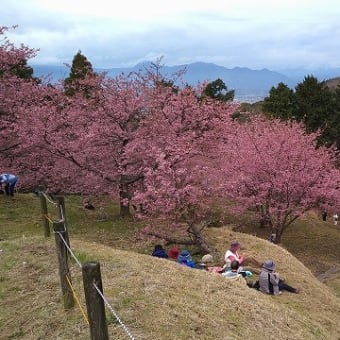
[{"x": 258, "y": 34}]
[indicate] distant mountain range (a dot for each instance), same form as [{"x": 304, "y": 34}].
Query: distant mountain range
[{"x": 249, "y": 85}]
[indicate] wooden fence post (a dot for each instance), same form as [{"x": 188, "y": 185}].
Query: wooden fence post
[
  {"x": 61, "y": 207},
  {"x": 44, "y": 214},
  {"x": 94, "y": 302},
  {"x": 62, "y": 215},
  {"x": 64, "y": 271}
]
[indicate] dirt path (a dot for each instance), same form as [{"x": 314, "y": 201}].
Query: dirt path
[{"x": 324, "y": 276}]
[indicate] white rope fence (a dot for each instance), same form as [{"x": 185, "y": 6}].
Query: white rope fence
[
  {"x": 69, "y": 249},
  {"x": 113, "y": 312},
  {"x": 97, "y": 289},
  {"x": 48, "y": 198}
]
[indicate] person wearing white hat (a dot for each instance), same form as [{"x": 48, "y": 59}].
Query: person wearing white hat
[{"x": 206, "y": 264}]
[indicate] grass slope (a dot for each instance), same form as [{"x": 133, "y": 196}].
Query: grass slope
[{"x": 155, "y": 298}]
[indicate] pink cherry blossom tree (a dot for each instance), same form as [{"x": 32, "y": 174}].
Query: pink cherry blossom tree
[
  {"x": 83, "y": 136},
  {"x": 177, "y": 148},
  {"x": 86, "y": 138},
  {"x": 277, "y": 170},
  {"x": 14, "y": 92},
  {"x": 167, "y": 150}
]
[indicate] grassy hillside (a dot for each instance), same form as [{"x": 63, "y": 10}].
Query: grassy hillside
[
  {"x": 156, "y": 299},
  {"x": 311, "y": 240}
]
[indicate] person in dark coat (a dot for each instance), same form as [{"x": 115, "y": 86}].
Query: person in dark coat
[
  {"x": 270, "y": 281},
  {"x": 159, "y": 251}
]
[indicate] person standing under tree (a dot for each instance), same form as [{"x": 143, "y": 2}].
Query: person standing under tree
[
  {"x": 272, "y": 238},
  {"x": 335, "y": 218},
  {"x": 9, "y": 181}
]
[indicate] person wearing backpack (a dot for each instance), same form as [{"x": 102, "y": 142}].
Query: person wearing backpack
[
  {"x": 9, "y": 181},
  {"x": 270, "y": 281}
]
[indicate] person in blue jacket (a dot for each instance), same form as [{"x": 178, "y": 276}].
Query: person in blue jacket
[
  {"x": 9, "y": 181},
  {"x": 185, "y": 258}
]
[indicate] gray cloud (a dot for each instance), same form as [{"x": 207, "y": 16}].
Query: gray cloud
[{"x": 255, "y": 37}]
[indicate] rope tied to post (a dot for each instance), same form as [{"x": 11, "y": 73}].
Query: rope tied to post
[
  {"x": 47, "y": 218},
  {"x": 77, "y": 300},
  {"x": 48, "y": 198},
  {"x": 69, "y": 294},
  {"x": 68, "y": 248}
]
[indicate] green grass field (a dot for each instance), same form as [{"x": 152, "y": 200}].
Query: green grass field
[{"x": 156, "y": 298}]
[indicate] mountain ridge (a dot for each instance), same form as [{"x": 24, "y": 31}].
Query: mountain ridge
[{"x": 250, "y": 85}]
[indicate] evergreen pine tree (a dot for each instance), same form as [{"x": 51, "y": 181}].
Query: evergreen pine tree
[{"x": 81, "y": 70}]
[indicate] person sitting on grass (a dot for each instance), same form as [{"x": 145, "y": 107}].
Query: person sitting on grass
[
  {"x": 185, "y": 259},
  {"x": 270, "y": 281},
  {"x": 159, "y": 252},
  {"x": 206, "y": 264},
  {"x": 233, "y": 272},
  {"x": 232, "y": 254},
  {"x": 173, "y": 253}
]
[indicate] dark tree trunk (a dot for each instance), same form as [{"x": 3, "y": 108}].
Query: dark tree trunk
[
  {"x": 124, "y": 199},
  {"x": 278, "y": 233},
  {"x": 196, "y": 239},
  {"x": 199, "y": 240},
  {"x": 277, "y": 239},
  {"x": 126, "y": 183},
  {"x": 264, "y": 220},
  {"x": 172, "y": 240}
]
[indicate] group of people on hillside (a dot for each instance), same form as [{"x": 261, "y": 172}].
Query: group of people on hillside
[
  {"x": 8, "y": 181},
  {"x": 182, "y": 257},
  {"x": 236, "y": 267}
]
